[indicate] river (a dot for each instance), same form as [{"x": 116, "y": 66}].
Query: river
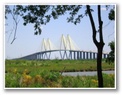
[{"x": 87, "y": 73}]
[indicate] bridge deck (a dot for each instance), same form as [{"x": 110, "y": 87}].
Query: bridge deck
[{"x": 73, "y": 54}]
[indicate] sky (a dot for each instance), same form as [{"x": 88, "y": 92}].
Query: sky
[{"x": 27, "y": 43}]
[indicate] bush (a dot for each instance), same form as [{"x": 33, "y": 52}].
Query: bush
[{"x": 52, "y": 76}]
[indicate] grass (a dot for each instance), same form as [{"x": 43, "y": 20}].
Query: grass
[
  {"x": 46, "y": 73},
  {"x": 46, "y": 79},
  {"x": 56, "y": 65}
]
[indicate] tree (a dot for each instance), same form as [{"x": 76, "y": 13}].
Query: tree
[
  {"x": 42, "y": 14},
  {"x": 111, "y": 55},
  {"x": 99, "y": 44},
  {"x": 112, "y": 14}
]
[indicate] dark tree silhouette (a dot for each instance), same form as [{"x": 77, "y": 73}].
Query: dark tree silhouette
[
  {"x": 99, "y": 44},
  {"x": 111, "y": 56},
  {"x": 42, "y": 14},
  {"x": 112, "y": 14}
]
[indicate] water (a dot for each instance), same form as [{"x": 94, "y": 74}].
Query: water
[{"x": 89, "y": 73}]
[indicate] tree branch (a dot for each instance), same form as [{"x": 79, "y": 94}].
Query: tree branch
[
  {"x": 100, "y": 24},
  {"x": 93, "y": 25},
  {"x": 16, "y": 24}
]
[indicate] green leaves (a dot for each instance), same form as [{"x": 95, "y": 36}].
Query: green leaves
[
  {"x": 75, "y": 15},
  {"x": 41, "y": 14},
  {"x": 111, "y": 15},
  {"x": 112, "y": 45},
  {"x": 24, "y": 23},
  {"x": 7, "y": 11},
  {"x": 54, "y": 14},
  {"x": 111, "y": 56},
  {"x": 38, "y": 29}
]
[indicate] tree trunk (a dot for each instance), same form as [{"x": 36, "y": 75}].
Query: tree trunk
[
  {"x": 99, "y": 65},
  {"x": 99, "y": 44}
]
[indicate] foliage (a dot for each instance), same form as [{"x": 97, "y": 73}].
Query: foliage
[
  {"x": 46, "y": 73},
  {"x": 111, "y": 56},
  {"x": 54, "y": 65},
  {"x": 42, "y": 14},
  {"x": 48, "y": 79},
  {"x": 112, "y": 14}
]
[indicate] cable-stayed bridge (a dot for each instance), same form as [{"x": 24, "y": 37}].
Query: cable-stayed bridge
[{"x": 67, "y": 50}]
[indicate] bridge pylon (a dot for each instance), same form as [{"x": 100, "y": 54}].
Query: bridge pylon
[
  {"x": 63, "y": 47},
  {"x": 67, "y": 46}
]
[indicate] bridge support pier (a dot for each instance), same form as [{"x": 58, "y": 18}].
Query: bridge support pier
[
  {"x": 83, "y": 55},
  {"x": 87, "y": 55},
  {"x": 105, "y": 55},
  {"x": 80, "y": 55},
  {"x": 74, "y": 55},
  {"x": 70, "y": 55},
  {"x": 39, "y": 56},
  {"x": 93, "y": 55},
  {"x": 42, "y": 55},
  {"x": 90, "y": 55}
]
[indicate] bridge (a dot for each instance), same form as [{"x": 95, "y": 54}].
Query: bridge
[{"x": 67, "y": 50}]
